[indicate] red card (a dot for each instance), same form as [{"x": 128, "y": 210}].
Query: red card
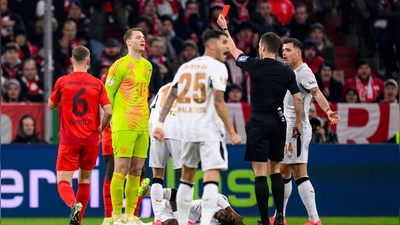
[{"x": 225, "y": 10}]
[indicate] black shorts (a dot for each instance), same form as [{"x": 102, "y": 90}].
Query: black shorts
[{"x": 266, "y": 136}]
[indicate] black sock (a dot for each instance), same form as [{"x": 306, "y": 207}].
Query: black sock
[
  {"x": 262, "y": 195},
  {"x": 278, "y": 191}
]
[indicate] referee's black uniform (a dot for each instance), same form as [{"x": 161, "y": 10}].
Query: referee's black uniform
[{"x": 266, "y": 129}]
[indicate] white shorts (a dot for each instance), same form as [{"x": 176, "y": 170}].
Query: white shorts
[
  {"x": 160, "y": 152},
  {"x": 293, "y": 153},
  {"x": 212, "y": 154},
  {"x": 166, "y": 211}
]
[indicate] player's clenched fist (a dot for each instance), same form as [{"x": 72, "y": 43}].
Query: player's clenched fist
[
  {"x": 235, "y": 139},
  {"x": 158, "y": 134}
]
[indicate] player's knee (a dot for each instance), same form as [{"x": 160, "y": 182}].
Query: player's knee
[{"x": 158, "y": 173}]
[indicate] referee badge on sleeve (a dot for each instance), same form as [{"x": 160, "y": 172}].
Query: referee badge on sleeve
[{"x": 243, "y": 58}]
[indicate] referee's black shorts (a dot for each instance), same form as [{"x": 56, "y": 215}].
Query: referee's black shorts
[{"x": 266, "y": 136}]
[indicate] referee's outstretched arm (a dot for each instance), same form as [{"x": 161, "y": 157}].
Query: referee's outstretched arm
[{"x": 235, "y": 52}]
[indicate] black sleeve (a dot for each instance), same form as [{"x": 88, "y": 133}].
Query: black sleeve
[
  {"x": 293, "y": 88},
  {"x": 245, "y": 62}
]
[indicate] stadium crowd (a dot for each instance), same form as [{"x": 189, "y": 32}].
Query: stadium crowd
[{"x": 174, "y": 28}]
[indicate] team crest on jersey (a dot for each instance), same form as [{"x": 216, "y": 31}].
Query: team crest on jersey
[
  {"x": 110, "y": 81},
  {"x": 223, "y": 79},
  {"x": 242, "y": 58}
]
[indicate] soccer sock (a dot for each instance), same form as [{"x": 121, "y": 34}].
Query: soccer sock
[
  {"x": 107, "y": 198},
  {"x": 132, "y": 186},
  {"x": 184, "y": 198},
  {"x": 82, "y": 196},
  {"x": 262, "y": 195},
  {"x": 157, "y": 197},
  {"x": 209, "y": 202},
  {"x": 277, "y": 187},
  {"x": 139, "y": 201},
  {"x": 117, "y": 194},
  {"x": 288, "y": 192},
  {"x": 66, "y": 193},
  {"x": 307, "y": 195}
]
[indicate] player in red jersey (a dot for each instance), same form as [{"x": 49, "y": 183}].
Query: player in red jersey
[{"x": 78, "y": 96}]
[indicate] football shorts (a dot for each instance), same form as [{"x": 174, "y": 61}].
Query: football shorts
[
  {"x": 128, "y": 143},
  {"x": 70, "y": 158},
  {"x": 212, "y": 154},
  {"x": 161, "y": 151}
]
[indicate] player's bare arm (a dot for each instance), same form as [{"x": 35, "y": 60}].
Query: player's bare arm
[
  {"x": 106, "y": 117},
  {"x": 51, "y": 104},
  {"x": 298, "y": 107},
  {"x": 235, "y": 52},
  {"x": 222, "y": 110},
  {"x": 158, "y": 133},
  {"x": 323, "y": 103}
]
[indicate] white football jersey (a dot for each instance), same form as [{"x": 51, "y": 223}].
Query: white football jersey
[
  {"x": 171, "y": 128},
  {"x": 197, "y": 116},
  {"x": 305, "y": 80}
]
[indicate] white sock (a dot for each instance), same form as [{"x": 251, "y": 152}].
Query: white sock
[
  {"x": 184, "y": 198},
  {"x": 156, "y": 194},
  {"x": 167, "y": 193},
  {"x": 288, "y": 192},
  {"x": 209, "y": 203},
  {"x": 307, "y": 195}
]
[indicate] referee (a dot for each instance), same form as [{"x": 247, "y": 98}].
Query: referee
[{"x": 266, "y": 129}]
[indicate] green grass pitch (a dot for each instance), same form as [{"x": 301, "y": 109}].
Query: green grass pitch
[{"x": 247, "y": 220}]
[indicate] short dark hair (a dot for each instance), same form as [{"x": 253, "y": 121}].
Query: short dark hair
[
  {"x": 166, "y": 18},
  {"x": 128, "y": 34},
  {"x": 210, "y": 34},
  {"x": 296, "y": 43},
  {"x": 27, "y": 60},
  {"x": 80, "y": 53},
  {"x": 11, "y": 46},
  {"x": 188, "y": 2},
  {"x": 272, "y": 41},
  {"x": 299, "y": 5},
  {"x": 157, "y": 38}
]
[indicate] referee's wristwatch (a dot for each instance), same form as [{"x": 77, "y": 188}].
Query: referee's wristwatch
[{"x": 224, "y": 29}]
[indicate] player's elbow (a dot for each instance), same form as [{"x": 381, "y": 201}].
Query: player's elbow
[{"x": 51, "y": 105}]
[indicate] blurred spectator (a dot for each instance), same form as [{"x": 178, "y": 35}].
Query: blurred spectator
[
  {"x": 189, "y": 52},
  {"x": 263, "y": 19},
  {"x": 367, "y": 10},
  {"x": 10, "y": 62},
  {"x": 27, "y": 132},
  {"x": 101, "y": 67},
  {"x": 239, "y": 12},
  {"x": 324, "y": 45},
  {"x": 144, "y": 24},
  {"x": 284, "y": 34},
  {"x": 26, "y": 49},
  {"x": 188, "y": 24},
  {"x": 108, "y": 20},
  {"x": 351, "y": 96},
  {"x": 13, "y": 92},
  {"x": 235, "y": 93},
  {"x": 320, "y": 132},
  {"x": 216, "y": 7},
  {"x": 174, "y": 43},
  {"x": 300, "y": 25},
  {"x": 168, "y": 7},
  {"x": 310, "y": 55},
  {"x": 82, "y": 22},
  {"x": 283, "y": 10},
  {"x": 390, "y": 92},
  {"x": 385, "y": 27},
  {"x": 155, "y": 81},
  {"x": 39, "y": 24},
  {"x": 58, "y": 70},
  {"x": 157, "y": 48},
  {"x": 24, "y": 9},
  {"x": 150, "y": 12},
  {"x": 31, "y": 83},
  {"x": 64, "y": 45},
  {"x": 368, "y": 87},
  {"x": 247, "y": 39},
  {"x": 330, "y": 87},
  {"x": 9, "y": 23},
  {"x": 111, "y": 50}
]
